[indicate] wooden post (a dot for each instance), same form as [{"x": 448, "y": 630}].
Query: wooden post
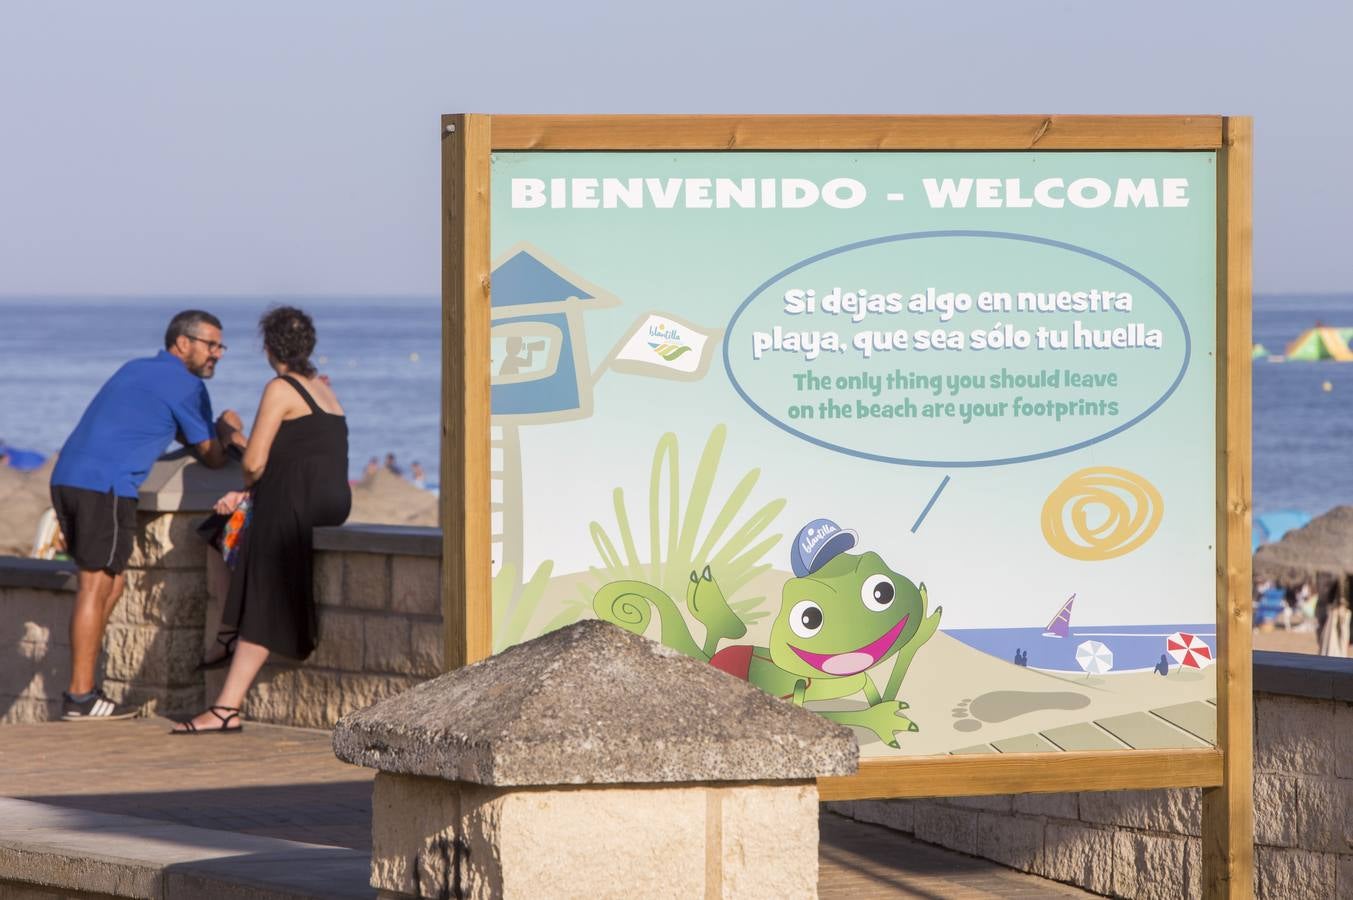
[
  {"x": 1228, "y": 810},
  {"x": 464, "y": 510}
]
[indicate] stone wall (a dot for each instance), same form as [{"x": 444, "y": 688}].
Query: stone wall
[
  {"x": 1120, "y": 843},
  {"x": 154, "y": 636},
  {"x": 36, "y": 598},
  {"x": 1147, "y": 843},
  {"x": 378, "y": 589}
]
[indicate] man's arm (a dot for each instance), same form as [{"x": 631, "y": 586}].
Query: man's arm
[{"x": 229, "y": 433}]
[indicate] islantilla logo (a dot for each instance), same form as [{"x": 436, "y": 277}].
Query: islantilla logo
[
  {"x": 666, "y": 341},
  {"x": 811, "y": 536},
  {"x": 818, "y": 543}
]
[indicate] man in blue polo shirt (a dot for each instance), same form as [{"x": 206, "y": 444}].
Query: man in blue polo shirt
[{"x": 128, "y": 425}]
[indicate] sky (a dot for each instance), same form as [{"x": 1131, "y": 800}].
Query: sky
[{"x": 154, "y": 148}]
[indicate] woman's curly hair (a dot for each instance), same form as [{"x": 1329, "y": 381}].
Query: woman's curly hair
[{"x": 289, "y": 335}]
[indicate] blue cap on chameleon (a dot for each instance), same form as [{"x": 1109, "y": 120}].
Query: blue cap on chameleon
[{"x": 817, "y": 543}]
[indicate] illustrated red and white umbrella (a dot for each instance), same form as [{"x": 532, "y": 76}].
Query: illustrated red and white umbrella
[{"x": 1189, "y": 650}]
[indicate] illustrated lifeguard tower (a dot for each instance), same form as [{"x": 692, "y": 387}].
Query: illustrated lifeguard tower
[{"x": 541, "y": 372}]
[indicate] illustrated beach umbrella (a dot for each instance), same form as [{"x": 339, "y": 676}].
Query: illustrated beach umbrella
[
  {"x": 1189, "y": 650},
  {"x": 1094, "y": 658}
]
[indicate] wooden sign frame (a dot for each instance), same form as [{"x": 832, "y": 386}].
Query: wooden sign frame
[{"x": 1226, "y": 771}]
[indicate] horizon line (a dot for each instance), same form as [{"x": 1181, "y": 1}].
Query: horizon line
[
  {"x": 427, "y": 296},
  {"x": 205, "y": 296}
]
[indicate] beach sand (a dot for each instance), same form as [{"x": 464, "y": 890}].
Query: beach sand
[
  {"x": 1282, "y": 640},
  {"x": 24, "y": 497},
  {"x": 387, "y": 499}
]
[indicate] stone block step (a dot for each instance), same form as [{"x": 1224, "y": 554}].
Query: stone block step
[{"x": 72, "y": 852}]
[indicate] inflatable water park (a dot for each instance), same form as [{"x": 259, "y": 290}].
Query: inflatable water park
[{"x": 1319, "y": 344}]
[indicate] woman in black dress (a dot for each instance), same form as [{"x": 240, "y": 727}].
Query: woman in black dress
[{"x": 296, "y": 469}]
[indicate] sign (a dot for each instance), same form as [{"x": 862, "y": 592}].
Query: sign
[
  {"x": 940, "y": 436},
  {"x": 972, "y": 369}
]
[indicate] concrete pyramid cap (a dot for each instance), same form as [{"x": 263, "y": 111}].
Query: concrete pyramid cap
[{"x": 593, "y": 703}]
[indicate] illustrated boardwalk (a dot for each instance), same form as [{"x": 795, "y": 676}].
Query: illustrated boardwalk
[{"x": 1192, "y": 725}]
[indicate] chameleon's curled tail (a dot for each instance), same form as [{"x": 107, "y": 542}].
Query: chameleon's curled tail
[{"x": 630, "y": 605}]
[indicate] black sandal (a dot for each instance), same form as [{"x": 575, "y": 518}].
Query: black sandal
[
  {"x": 224, "y": 659},
  {"x": 190, "y": 728}
]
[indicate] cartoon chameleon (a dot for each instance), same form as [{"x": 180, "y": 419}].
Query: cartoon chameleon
[{"x": 841, "y": 616}]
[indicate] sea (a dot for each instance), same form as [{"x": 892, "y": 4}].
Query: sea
[
  {"x": 383, "y": 356},
  {"x": 1303, "y": 411},
  {"x": 1131, "y": 647}
]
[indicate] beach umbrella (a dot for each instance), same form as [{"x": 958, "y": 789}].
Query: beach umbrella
[
  {"x": 1189, "y": 650},
  {"x": 1094, "y": 657}
]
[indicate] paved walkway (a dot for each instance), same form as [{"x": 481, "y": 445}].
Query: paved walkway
[
  {"x": 285, "y": 783},
  {"x": 269, "y": 781}
]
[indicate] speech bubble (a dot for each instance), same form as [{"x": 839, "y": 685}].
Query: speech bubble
[{"x": 764, "y": 384}]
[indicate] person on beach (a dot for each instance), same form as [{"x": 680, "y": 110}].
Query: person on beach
[
  {"x": 1334, "y": 616},
  {"x": 417, "y": 475},
  {"x": 296, "y": 475},
  {"x": 1306, "y": 601},
  {"x": 132, "y": 420}
]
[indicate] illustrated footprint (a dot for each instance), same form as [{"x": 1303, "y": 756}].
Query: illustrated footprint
[
  {"x": 965, "y": 721},
  {"x": 1001, "y": 706}
]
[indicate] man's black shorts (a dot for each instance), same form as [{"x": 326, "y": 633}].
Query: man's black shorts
[{"x": 98, "y": 527}]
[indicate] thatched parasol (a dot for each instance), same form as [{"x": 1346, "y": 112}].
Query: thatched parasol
[{"x": 1323, "y": 547}]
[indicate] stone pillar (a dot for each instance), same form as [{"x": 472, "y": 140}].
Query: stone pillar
[
  {"x": 593, "y": 762},
  {"x": 155, "y": 635}
]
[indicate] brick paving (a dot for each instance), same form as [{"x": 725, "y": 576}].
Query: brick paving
[
  {"x": 269, "y": 781},
  {"x": 286, "y": 783}
]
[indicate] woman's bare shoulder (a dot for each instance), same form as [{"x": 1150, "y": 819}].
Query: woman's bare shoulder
[
  {"x": 280, "y": 396},
  {"x": 324, "y": 394},
  {"x": 277, "y": 389}
]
